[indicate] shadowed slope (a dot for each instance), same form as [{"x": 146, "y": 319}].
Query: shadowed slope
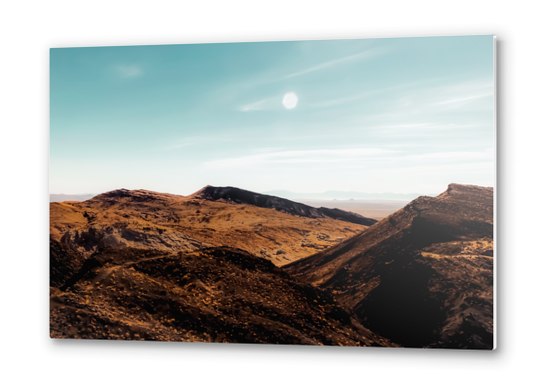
[
  {"x": 422, "y": 276},
  {"x": 63, "y": 263},
  {"x": 211, "y": 295}
]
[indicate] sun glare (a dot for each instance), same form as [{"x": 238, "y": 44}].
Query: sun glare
[{"x": 290, "y": 100}]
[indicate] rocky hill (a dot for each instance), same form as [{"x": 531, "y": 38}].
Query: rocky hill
[
  {"x": 210, "y": 295},
  {"x": 423, "y": 276},
  {"x": 241, "y": 196},
  {"x": 159, "y": 221},
  {"x": 227, "y": 265}
]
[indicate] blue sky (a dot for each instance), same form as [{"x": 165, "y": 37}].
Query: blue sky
[{"x": 372, "y": 115}]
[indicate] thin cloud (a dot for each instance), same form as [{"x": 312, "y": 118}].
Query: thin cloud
[
  {"x": 423, "y": 127},
  {"x": 455, "y": 157},
  {"x": 262, "y": 105},
  {"x": 358, "y": 56},
  {"x": 358, "y": 96},
  {"x": 463, "y": 100},
  {"x": 274, "y": 77},
  {"x": 178, "y": 146},
  {"x": 349, "y": 157},
  {"x": 301, "y": 156},
  {"x": 339, "y": 101},
  {"x": 451, "y": 97},
  {"x": 128, "y": 71}
]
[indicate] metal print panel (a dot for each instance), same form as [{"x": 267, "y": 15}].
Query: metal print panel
[{"x": 307, "y": 192}]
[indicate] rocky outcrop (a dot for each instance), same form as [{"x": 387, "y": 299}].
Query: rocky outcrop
[{"x": 120, "y": 236}]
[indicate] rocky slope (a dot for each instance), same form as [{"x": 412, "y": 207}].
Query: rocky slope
[
  {"x": 422, "y": 277},
  {"x": 210, "y": 295},
  {"x": 241, "y": 196},
  {"x": 149, "y": 220}
]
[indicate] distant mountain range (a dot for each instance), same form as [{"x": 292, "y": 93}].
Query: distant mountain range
[
  {"x": 328, "y": 195},
  {"x": 342, "y": 195},
  {"x": 60, "y": 197},
  {"x": 241, "y": 196}
]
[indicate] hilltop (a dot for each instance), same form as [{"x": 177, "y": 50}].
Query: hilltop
[
  {"x": 241, "y": 196},
  {"x": 281, "y": 232},
  {"x": 423, "y": 276}
]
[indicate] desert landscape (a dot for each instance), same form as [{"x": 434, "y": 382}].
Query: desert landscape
[
  {"x": 318, "y": 192},
  {"x": 229, "y": 265}
]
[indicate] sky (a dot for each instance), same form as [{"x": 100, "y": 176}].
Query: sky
[{"x": 404, "y": 115}]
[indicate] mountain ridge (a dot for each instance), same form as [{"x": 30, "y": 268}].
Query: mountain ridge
[
  {"x": 241, "y": 196},
  {"x": 152, "y": 220},
  {"x": 422, "y": 275},
  {"x": 345, "y": 195}
]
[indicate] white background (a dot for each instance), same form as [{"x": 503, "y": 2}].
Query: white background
[{"x": 28, "y": 29}]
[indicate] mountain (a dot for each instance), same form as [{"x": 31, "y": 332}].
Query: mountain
[
  {"x": 58, "y": 198},
  {"x": 210, "y": 295},
  {"x": 281, "y": 231},
  {"x": 423, "y": 276},
  {"x": 228, "y": 265},
  {"x": 375, "y": 209},
  {"x": 241, "y": 196},
  {"x": 344, "y": 195}
]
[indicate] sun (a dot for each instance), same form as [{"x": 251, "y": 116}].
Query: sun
[{"x": 289, "y": 100}]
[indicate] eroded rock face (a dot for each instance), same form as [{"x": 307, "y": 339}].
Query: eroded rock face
[
  {"x": 119, "y": 236},
  {"x": 421, "y": 276}
]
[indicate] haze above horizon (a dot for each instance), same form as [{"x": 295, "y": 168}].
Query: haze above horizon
[{"x": 373, "y": 115}]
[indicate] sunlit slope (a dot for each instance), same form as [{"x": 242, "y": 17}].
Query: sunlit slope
[{"x": 149, "y": 220}]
